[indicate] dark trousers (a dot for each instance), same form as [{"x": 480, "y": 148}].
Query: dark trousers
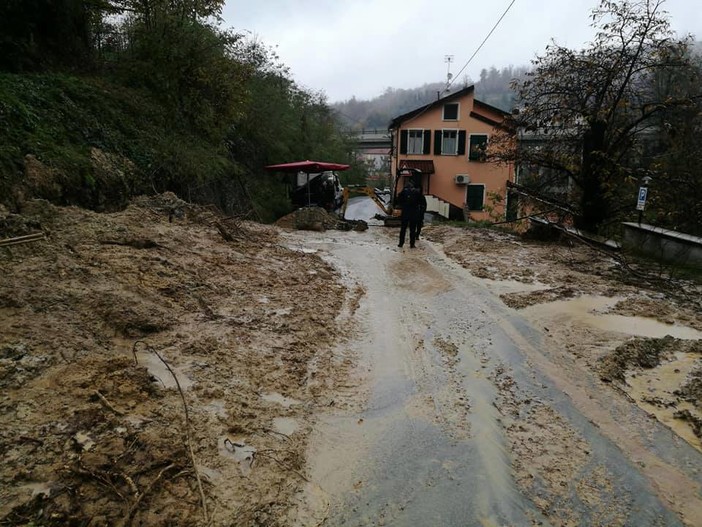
[
  {"x": 410, "y": 222},
  {"x": 420, "y": 224}
]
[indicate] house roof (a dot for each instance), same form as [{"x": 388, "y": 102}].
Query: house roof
[
  {"x": 395, "y": 123},
  {"x": 401, "y": 118},
  {"x": 484, "y": 119},
  {"x": 490, "y": 107}
]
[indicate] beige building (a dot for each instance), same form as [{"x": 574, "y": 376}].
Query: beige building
[{"x": 446, "y": 141}]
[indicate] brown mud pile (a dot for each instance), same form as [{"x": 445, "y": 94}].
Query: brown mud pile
[
  {"x": 640, "y": 368},
  {"x": 541, "y": 272},
  {"x": 158, "y": 366},
  {"x": 318, "y": 219}
]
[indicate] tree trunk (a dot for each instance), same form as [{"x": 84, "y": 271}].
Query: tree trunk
[{"x": 593, "y": 203}]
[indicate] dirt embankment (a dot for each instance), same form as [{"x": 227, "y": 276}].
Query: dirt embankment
[{"x": 158, "y": 366}]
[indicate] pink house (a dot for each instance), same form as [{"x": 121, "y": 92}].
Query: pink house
[{"x": 446, "y": 141}]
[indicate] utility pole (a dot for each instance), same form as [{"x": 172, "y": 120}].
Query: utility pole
[{"x": 448, "y": 59}]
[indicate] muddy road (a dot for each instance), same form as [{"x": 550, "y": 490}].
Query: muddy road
[
  {"x": 167, "y": 365},
  {"x": 463, "y": 411}
]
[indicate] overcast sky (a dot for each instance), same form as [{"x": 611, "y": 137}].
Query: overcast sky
[{"x": 359, "y": 48}]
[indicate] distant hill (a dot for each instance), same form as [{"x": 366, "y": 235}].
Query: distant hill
[{"x": 493, "y": 88}]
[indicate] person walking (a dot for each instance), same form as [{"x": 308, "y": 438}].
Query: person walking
[
  {"x": 408, "y": 200},
  {"x": 422, "y": 209}
]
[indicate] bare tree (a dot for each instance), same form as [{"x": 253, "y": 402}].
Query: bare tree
[{"x": 584, "y": 114}]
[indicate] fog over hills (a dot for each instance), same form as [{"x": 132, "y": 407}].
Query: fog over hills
[{"x": 493, "y": 88}]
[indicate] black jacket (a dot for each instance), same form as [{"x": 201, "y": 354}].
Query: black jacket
[{"x": 409, "y": 201}]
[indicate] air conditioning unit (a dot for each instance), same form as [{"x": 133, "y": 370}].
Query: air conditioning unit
[{"x": 461, "y": 179}]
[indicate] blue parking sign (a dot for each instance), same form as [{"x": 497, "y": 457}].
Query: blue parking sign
[{"x": 641, "y": 203}]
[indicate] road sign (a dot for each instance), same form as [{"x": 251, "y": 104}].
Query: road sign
[{"x": 641, "y": 203}]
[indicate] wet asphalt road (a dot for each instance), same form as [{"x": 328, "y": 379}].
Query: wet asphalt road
[{"x": 425, "y": 443}]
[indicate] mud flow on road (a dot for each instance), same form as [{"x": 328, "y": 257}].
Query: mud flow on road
[
  {"x": 166, "y": 365},
  {"x": 479, "y": 394}
]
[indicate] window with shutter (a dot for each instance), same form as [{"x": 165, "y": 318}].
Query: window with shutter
[
  {"x": 478, "y": 146},
  {"x": 449, "y": 142},
  {"x": 415, "y": 142},
  {"x": 475, "y": 195}
]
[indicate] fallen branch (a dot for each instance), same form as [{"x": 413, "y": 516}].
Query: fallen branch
[
  {"x": 140, "y": 496},
  {"x": 104, "y": 401},
  {"x": 286, "y": 467},
  {"x": 136, "y": 243},
  {"x": 188, "y": 439},
  {"x": 22, "y": 239}
]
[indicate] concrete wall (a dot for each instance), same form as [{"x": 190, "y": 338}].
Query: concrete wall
[{"x": 663, "y": 244}]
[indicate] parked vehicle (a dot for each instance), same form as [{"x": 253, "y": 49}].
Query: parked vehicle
[{"x": 325, "y": 190}]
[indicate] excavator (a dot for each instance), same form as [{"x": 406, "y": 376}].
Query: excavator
[
  {"x": 374, "y": 193},
  {"x": 391, "y": 213}
]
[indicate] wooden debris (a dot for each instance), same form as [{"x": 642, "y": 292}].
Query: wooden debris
[
  {"x": 22, "y": 239},
  {"x": 104, "y": 401}
]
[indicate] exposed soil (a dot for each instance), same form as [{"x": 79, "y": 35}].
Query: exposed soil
[
  {"x": 537, "y": 273},
  {"x": 106, "y": 322},
  {"x": 590, "y": 309},
  {"x": 165, "y": 365}
]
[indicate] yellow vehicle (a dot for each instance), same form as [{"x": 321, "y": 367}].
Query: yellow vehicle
[
  {"x": 392, "y": 213},
  {"x": 390, "y": 216}
]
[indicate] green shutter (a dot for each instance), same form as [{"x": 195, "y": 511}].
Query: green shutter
[
  {"x": 427, "y": 142},
  {"x": 437, "y": 142},
  {"x": 404, "y": 134},
  {"x": 475, "y": 197},
  {"x": 461, "y": 142},
  {"x": 512, "y": 206}
]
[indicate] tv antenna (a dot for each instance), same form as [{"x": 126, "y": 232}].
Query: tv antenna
[{"x": 448, "y": 59}]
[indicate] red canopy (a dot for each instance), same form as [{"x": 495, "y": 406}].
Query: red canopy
[{"x": 310, "y": 167}]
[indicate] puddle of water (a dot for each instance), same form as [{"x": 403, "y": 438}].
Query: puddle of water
[
  {"x": 235, "y": 448},
  {"x": 216, "y": 407},
  {"x": 156, "y": 368},
  {"x": 285, "y": 425},
  {"x": 584, "y": 310},
  {"x": 275, "y": 397},
  {"x": 657, "y": 385},
  {"x": 212, "y": 475},
  {"x": 643, "y": 327},
  {"x": 39, "y": 488}
]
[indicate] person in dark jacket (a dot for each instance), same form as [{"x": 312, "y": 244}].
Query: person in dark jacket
[
  {"x": 422, "y": 210},
  {"x": 408, "y": 200}
]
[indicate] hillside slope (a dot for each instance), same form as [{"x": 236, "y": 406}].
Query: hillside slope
[{"x": 85, "y": 141}]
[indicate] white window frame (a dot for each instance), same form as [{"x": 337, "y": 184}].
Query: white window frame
[
  {"x": 455, "y": 150},
  {"x": 458, "y": 112},
  {"x": 487, "y": 142},
  {"x": 421, "y": 141}
]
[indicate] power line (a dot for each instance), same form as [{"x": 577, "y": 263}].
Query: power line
[
  {"x": 449, "y": 83},
  {"x": 481, "y": 44}
]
